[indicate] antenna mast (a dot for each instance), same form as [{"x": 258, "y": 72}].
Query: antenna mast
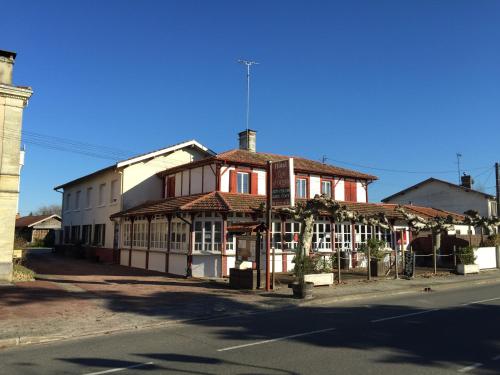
[
  {"x": 459, "y": 155},
  {"x": 248, "y": 64}
]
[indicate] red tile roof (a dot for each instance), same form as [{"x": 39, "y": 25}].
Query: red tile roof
[
  {"x": 231, "y": 202},
  {"x": 260, "y": 159}
]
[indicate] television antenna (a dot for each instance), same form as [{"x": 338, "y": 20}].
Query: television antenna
[
  {"x": 248, "y": 64},
  {"x": 459, "y": 155}
]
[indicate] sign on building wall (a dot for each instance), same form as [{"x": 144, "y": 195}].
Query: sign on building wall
[{"x": 282, "y": 184}]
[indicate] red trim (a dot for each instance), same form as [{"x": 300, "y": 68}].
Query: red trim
[
  {"x": 283, "y": 261},
  {"x": 217, "y": 177},
  {"x": 254, "y": 183},
  {"x": 232, "y": 181}
]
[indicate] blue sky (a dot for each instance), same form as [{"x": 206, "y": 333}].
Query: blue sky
[{"x": 399, "y": 85}]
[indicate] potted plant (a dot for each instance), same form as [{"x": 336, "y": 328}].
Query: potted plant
[
  {"x": 466, "y": 259},
  {"x": 375, "y": 248},
  {"x": 318, "y": 271}
]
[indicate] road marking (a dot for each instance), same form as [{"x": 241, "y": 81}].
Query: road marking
[
  {"x": 403, "y": 316},
  {"x": 120, "y": 369},
  {"x": 470, "y": 368},
  {"x": 276, "y": 339},
  {"x": 482, "y": 301}
]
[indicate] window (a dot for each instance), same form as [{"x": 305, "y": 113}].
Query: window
[
  {"x": 139, "y": 235},
  {"x": 87, "y": 234},
  {"x": 363, "y": 233},
  {"x": 126, "y": 234},
  {"x": 159, "y": 233},
  {"x": 276, "y": 235},
  {"x": 292, "y": 230},
  {"x": 75, "y": 233},
  {"x": 243, "y": 183},
  {"x": 322, "y": 236},
  {"x": 326, "y": 188},
  {"x": 179, "y": 235},
  {"x": 77, "y": 200},
  {"x": 343, "y": 237},
  {"x": 207, "y": 235},
  {"x": 113, "y": 193},
  {"x": 89, "y": 198},
  {"x": 301, "y": 188},
  {"x": 99, "y": 234},
  {"x": 67, "y": 206},
  {"x": 101, "y": 194}
]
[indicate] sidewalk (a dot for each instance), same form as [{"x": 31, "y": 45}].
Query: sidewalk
[{"x": 74, "y": 298}]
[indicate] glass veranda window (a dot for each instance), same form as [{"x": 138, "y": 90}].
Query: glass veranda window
[{"x": 326, "y": 188}]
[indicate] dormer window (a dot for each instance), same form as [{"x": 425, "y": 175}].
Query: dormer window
[{"x": 243, "y": 182}]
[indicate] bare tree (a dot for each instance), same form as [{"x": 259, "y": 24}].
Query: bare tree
[{"x": 48, "y": 210}]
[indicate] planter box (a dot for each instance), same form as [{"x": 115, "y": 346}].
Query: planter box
[
  {"x": 319, "y": 278},
  {"x": 464, "y": 269},
  {"x": 377, "y": 268}
]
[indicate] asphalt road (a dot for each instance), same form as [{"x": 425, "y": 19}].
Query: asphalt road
[{"x": 445, "y": 332}]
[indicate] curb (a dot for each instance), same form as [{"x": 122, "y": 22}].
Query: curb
[{"x": 29, "y": 340}]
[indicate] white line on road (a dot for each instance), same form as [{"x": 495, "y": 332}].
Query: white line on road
[
  {"x": 482, "y": 301},
  {"x": 276, "y": 339},
  {"x": 470, "y": 368},
  {"x": 403, "y": 316},
  {"x": 120, "y": 369}
]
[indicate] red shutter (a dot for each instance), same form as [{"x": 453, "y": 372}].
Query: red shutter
[
  {"x": 254, "y": 183},
  {"x": 232, "y": 182},
  {"x": 347, "y": 191},
  {"x": 354, "y": 192}
]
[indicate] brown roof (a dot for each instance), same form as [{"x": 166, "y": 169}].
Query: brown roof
[
  {"x": 231, "y": 202},
  {"x": 28, "y": 221},
  {"x": 260, "y": 159},
  {"x": 214, "y": 201}
]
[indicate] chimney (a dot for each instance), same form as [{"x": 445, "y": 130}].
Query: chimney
[
  {"x": 467, "y": 181},
  {"x": 6, "y": 66},
  {"x": 248, "y": 140}
]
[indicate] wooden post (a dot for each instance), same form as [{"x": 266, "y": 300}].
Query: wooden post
[
  {"x": 169, "y": 238},
  {"x": 332, "y": 224},
  {"x": 148, "y": 246},
  {"x": 268, "y": 227}
]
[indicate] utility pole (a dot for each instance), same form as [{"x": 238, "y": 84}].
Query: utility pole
[
  {"x": 459, "y": 155},
  {"x": 497, "y": 180}
]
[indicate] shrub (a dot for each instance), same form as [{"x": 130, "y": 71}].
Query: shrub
[
  {"x": 465, "y": 255},
  {"x": 376, "y": 248}
]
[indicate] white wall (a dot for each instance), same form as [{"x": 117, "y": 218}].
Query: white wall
[
  {"x": 224, "y": 178},
  {"x": 339, "y": 190},
  {"x": 206, "y": 265},
  {"x": 361, "y": 192},
  {"x": 439, "y": 195},
  {"x": 315, "y": 186},
  {"x": 485, "y": 257},
  {"x": 196, "y": 180},
  {"x": 177, "y": 264},
  {"x": 261, "y": 178},
  {"x": 209, "y": 178}
]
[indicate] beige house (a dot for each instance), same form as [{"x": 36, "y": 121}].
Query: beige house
[
  {"x": 89, "y": 201},
  {"x": 13, "y": 99}
]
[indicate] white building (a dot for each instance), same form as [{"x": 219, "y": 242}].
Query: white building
[
  {"x": 89, "y": 201},
  {"x": 447, "y": 196}
]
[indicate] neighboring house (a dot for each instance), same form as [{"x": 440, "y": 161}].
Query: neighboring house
[
  {"x": 195, "y": 228},
  {"x": 446, "y": 196},
  {"x": 39, "y": 228},
  {"x": 89, "y": 201}
]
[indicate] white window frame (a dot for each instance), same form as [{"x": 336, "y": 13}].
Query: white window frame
[
  {"x": 159, "y": 233},
  {"x": 240, "y": 182},
  {"x": 343, "y": 237},
  {"x": 326, "y": 183},
  {"x": 301, "y": 189}
]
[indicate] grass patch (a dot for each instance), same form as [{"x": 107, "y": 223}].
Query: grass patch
[{"x": 21, "y": 273}]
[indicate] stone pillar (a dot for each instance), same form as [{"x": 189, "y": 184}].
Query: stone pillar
[{"x": 13, "y": 99}]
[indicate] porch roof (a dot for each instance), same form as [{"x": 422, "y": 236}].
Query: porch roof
[{"x": 246, "y": 203}]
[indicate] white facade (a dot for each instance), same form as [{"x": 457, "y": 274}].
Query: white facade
[
  {"x": 445, "y": 196},
  {"x": 91, "y": 200}
]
